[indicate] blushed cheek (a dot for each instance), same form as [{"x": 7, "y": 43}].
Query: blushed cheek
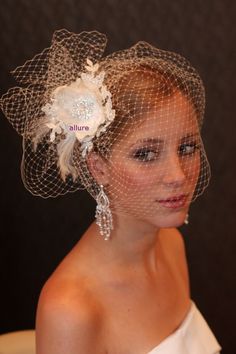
[
  {"x": 132, "y": 191},
  {"x": 192, "y": 170},
  {"x": 135, "y": 179}
]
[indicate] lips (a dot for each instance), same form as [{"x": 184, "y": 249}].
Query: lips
[{"x": 174, "y": 202}]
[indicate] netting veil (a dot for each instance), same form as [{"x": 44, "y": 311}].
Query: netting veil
[{"x": 129, "y": 122}]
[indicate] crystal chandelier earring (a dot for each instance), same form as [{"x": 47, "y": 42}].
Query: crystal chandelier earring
[{"x": 103, "y": 214}]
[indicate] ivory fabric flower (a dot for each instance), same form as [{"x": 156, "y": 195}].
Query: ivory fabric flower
[{"x": 83, "y": 108}]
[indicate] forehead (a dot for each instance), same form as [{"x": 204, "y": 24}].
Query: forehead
[{"x": 173, "y": 118}]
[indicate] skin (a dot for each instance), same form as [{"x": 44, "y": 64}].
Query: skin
[{"x": 126, "y": 295}]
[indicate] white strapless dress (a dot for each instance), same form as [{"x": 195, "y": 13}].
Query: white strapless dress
[{"x": 193, "y": 336}]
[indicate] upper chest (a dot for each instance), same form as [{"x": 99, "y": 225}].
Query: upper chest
[{"x": 138, "y": 315}]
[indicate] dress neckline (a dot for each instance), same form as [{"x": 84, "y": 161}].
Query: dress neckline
[{"x": 183, "y": 325}]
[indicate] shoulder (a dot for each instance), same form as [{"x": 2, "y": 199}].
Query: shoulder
[
  {"x": 67, "y": 319},
  {"x": 174, "y": 247},
  {"x": 173, "y": 241}
]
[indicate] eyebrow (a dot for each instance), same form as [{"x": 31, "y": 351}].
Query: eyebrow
[
  {"x": 161, "y": 141},
  {"x": 190, "y": 135},
  {"x": 149, "y": 140}
]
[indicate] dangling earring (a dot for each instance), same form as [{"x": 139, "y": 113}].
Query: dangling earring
[
  {"x": 103, "y": 214},
  {"x": 186, "y": 219}
]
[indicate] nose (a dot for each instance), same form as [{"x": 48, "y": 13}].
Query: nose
[{"x": 174, "y": 174}]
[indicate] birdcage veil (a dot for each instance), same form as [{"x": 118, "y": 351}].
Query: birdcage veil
[{"x": 130, "y": 110}]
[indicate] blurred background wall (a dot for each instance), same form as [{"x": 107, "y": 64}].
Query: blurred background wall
[{"x": 36, "y": 234}]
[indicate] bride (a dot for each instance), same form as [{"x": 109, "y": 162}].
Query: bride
[{"x": 124, "y": 287}]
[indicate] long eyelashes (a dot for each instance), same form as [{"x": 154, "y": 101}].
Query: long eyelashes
[
  {"x": 146, "y": 154},
  {"x": 149, "y": 154},
  {"x": 188, "y": 149}
]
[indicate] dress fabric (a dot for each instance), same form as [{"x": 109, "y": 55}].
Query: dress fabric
[{"x": 193, "y": 336}]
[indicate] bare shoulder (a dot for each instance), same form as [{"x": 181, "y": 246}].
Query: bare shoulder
[
  {"x": 67, "y": 319},
  {"x": 175, "y": 247},
  {"x": 173, "y": 241}
]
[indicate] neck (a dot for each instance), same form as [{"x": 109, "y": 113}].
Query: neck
[{"x": 132, "y": 242}]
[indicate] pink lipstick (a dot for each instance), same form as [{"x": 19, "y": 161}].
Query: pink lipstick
[{"x": 174, "y": 202}]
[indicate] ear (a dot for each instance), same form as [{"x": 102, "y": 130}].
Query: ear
[{"x": 98, "y": 168}]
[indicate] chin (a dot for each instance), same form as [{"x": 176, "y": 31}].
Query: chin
[
  {"x": 166, "y": 219},
  {"x": 173, "y": 219}
]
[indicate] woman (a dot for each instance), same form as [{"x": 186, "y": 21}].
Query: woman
[{"x": 127, "y": 128}]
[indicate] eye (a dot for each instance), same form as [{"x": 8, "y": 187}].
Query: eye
[
  {"x": 188, "y": 148},
  {"x": 146, "y": 154}
]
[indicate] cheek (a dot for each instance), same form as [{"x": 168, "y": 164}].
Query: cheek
[
  {"x": 191, "y": 168},
  {"x": 133, "y": 178},
  {"x": 131, "y": 190}
]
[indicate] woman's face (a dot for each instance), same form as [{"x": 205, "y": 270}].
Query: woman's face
[{"x": 155, "y": 168}]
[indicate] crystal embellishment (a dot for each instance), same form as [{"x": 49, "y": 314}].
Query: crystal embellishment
[{"x": 82, "y": 108}]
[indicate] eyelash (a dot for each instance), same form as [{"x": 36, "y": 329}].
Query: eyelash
[
  {"x": 193, "y": 146},
  {"x": 142, "y": 154}
]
